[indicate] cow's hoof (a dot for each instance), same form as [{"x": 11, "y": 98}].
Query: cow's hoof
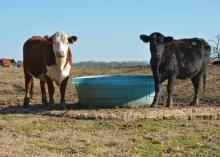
[
  {"x": 194, "y": 104},
  {"x": 63, "y": 105},
  {"x": 50, "y": 106},
  {"x": 44, "y": 102},
  {"x": 169, "y": 105},
  {"x": 153, "y": 105},
  {"x": 26, "y": 103},
  {"x": 51, "y": 103}
]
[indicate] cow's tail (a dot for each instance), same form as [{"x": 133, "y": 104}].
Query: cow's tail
[{"x": 204, "y": 83}]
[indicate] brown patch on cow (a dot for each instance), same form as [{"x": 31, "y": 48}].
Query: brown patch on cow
[{"x": 38, "y": 52}]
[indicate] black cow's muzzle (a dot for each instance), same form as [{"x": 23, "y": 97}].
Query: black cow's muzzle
[{"x": 157, "y": 57}]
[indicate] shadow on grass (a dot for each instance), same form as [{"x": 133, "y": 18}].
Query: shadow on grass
[{"x": 39, "y": 108}]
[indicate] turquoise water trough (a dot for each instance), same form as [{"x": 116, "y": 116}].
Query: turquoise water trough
[{"x": 114, "y": 90}]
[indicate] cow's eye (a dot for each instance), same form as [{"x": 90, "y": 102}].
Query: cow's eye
[{"x": 160, "y": 42}]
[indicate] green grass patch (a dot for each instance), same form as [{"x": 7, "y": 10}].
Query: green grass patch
[{"x": 44, "y": 135}]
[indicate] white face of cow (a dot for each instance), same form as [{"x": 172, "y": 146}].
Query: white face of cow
[
  {"x": 60, "y": 44},
  {"x": 61, "y": 69}
]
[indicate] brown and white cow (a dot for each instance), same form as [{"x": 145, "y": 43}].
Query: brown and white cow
[
  {"x": 48, "y": 59},
  {"x": 6, "y": 62}
]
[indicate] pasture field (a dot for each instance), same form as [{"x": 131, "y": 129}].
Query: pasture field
[{"x": 78, "y": 131}]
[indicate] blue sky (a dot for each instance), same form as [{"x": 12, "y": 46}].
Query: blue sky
[{"x": 107, "y": 30}]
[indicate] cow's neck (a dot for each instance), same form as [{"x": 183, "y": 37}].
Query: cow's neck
[
  {"x": 59, "y": 71},
  {"x": 155, "y": 69},
  {"x": 61, "y": 62}
]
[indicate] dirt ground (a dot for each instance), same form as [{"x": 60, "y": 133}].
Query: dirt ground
[
  {"x": 12, "y": 93},
  {"x": 128, "y": 131}
]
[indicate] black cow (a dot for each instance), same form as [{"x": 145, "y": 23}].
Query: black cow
[{"x": 181, "y": 59}]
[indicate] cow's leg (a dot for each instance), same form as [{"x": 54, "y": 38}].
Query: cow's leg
[
  {"x": 157, "y": 92},
  {"x": 50, "y": 91},
  {"x": 43, "y": 86},
  {"x": 31, "y": 91},
  {"x": 196, "y": 83},
  {"x": 158, "y": 81},
  {"x": 171, "y": 81},
  {"x": 28, "y": 84},
  {"x": 62, "y": 92}
]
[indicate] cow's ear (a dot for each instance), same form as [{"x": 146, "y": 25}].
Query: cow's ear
[
  {"x": 145, "y": 38},
  {"x": 167, "y": 39},
  {"x": 72, "y": 39}
]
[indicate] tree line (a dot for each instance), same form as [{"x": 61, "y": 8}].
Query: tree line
[{"x": 112, "y": 64}]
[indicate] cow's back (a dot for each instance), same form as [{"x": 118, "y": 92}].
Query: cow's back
[
  {"x": 190, "y": 56},
  {"x": 37, "y": 53}
]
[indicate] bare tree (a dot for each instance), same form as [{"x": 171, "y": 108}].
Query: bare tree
[{"x": 215, "y": 44}]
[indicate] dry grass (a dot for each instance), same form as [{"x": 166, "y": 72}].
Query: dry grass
[
  {"x": 31, "y": 135},
  {"x": 12, "y": 83},
  {"x": 12, "y": 86},
  {"x": 36, "y": 132}
]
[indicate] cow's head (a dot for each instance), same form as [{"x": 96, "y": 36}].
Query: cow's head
[
  {"x": 60, "y": 41},
  {"x": 157, "y": 42}
]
